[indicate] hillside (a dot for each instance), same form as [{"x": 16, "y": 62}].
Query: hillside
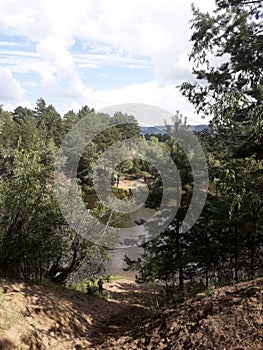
[
  {"x": 161, "y": 129},
  {"x": 38, "y": 317}
]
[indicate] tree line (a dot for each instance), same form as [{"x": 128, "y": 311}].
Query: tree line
[
  {"x": 226, "y": 244},
  {"x": 36, "y": 242}
]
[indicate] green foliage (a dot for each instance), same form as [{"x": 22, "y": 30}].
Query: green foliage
[
  {"x": 226, "y": 243},
  {"x": 165, "y": 255},
  {"x": 49, "y": 122},
  {"x": 233, "y": 34},
  {"x": 231, "y": 92},
  {"x": 210, "y": 290},
  {"x": 112, "y": 278},
  {"x": 28, "y": 216},
  {"x": 35, "y": 241},
  {"x": 85, "y": 286}
]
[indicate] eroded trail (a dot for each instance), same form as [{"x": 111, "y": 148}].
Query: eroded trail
[
  {"x": 229, "y": 319},
  {"x": 38, "y": 317},
  {"x": 130, "y": 305}
]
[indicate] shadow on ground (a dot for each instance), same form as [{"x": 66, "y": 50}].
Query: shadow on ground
[{"x": 58, "y": 318}]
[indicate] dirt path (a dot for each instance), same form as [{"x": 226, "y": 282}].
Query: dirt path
[
  {"x": 130, "y": 184},
  {"x": 38, "y": 317},
  {"x": 229, "y": 319},
  {"x": 41, "y": 318},
  {"x": 131, "y": 303}
]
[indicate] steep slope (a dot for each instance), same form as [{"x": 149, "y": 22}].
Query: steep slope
[
  {"x": 232, "y": 318},
  {"x": 38, "y": 317}
]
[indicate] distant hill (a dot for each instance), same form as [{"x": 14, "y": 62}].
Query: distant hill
[{"x": 154, "y": 130}]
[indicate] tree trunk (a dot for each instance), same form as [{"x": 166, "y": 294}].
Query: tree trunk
[
  {"x": 236, "y": 256},
  {"x": 252, "y": 267}
]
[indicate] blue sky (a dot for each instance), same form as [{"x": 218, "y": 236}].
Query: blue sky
[{"x": 97, "y": 53}]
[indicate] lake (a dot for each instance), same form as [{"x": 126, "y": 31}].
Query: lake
[{"x": 116, "y": 265}]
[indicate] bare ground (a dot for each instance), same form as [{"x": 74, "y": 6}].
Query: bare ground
[
  {"x": 38, "y": 317},
  {"x": 127, "y": 184}
]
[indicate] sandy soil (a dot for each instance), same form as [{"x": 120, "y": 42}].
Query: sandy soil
[
  {"x": 230, "y": 319},
  {"x": 37, "y": 317},
  {"x": 130, "y": 184}
]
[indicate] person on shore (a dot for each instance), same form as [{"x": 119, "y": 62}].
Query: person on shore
[{"x": 100, "y": 284}]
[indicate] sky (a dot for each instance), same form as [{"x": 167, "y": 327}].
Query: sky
[{"x": 97, "y": 53}]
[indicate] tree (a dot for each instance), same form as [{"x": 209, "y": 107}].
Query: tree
[
  {"x": 28, "y": 216},
  {"x": 8, "y": 130},
  {"x": 49, "y": 121},
  {"x": 166, "y": 256},
  {"x": 35, "y": 240},
  {"x": 26, "y": 123},
  {"x": 226, "y": 244},
  {"x": 233, "y": 36},
  {"x": 227, "y": 58}
]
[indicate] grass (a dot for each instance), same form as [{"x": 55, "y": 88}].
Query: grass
[
  {"x": 48, "y": 283},
  {"x": 117, "y": 277},
  {"x": 91, "y": 286}
]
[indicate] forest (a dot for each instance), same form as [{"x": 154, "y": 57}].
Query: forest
[{"x": 226, "y": 243}]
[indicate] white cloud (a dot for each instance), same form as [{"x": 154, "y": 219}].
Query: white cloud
[
  {"x": 30, "y": 84},
  {"x": 110, "y": 58},
  {"x": 151, "y": 93},
  {"x": 9, "y": 44},
  {"x": 54, "y": 50},
  {"x": 12, "y": 105},
  {"x": 147, "y": 34},
  {"x": 159, "y": 30},
  {"x": 10, "y": 89}
]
